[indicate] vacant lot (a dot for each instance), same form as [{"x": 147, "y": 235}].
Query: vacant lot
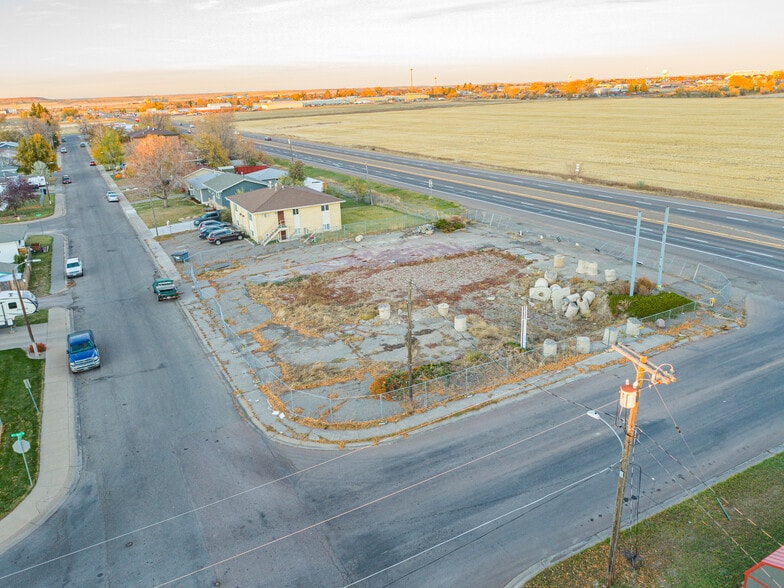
[{"x": 728, "y": 147}]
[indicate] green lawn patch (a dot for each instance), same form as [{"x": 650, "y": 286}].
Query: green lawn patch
[
  {"x": 30, "y": 212},
  {"x": 646, "y": 306},
  {"x": 691, "y": 545},
  {"x": 18, "y": 414},
  {"x": 180, "y": 209},
  {"x": 41, "y": 268}
]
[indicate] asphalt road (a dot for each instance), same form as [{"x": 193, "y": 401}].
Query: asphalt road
[
  {"x": 176, "y": 488},
  {"x": 725, "y": 234}
]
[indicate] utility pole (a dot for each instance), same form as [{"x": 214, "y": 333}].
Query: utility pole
[
  {"x": 409, "y": 344},
  {"x": 630, "y": 396},
  {"x": 411, "y": 78}
]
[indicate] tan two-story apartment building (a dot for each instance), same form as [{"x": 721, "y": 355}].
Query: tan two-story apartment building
[{"x": 284, "y": 212}]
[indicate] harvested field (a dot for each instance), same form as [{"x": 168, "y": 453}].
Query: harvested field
[{"x": 727, "y": 147}]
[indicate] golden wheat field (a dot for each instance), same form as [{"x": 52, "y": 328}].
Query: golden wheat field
[{"x": 728, "y": 147}]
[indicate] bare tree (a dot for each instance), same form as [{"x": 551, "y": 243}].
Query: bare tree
[{"x": 221, "y": 126}]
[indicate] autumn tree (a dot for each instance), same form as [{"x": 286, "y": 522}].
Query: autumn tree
[
  {"x": 248, "y": 153},
  {"x": 156, "y": 119},
  {"x": 159, "y": 164},
  {"x": 16, "y": 191},
  {"x": 212, "y": 150},
  {"x": 108, "y": 149},
  {"x": 221, "y": 127},
  {"x": 359, "y": 187},
  {"x": 296, "y": 175},
  {"x": 38, "y": 121},
  {"x": 32, "y": 149}
]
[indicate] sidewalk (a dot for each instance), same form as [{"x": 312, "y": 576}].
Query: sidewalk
[{"x": 58, "y": 463}]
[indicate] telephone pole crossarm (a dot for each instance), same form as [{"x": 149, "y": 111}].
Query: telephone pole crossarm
[{"x": 664, "y": 374}]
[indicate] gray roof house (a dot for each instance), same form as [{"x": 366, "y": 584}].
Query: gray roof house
[
  {"x": 12, "y": 238},
  {"x": 196, "y": 179},
  {"x": 270, "y": 176},
  {"x": 228, "y": 184}
]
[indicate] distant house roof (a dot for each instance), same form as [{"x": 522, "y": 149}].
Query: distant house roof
[
  {"x": 266, "y": 175},
  {"x": 247, "y": 169},
  {"x": 136, "y": 135},
  {"x": 222, "y": 181},
  {"x": 12, "y": 233},
  {"x": 198, "y": 181},
  {"x": 283, "y": 198}
]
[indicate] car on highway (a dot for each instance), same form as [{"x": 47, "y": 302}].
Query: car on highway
[
  {"x": 112, "y": 196},
  {"x": 225, "y": 234},
  {"x": 268, "y": 138},
  {"x": 73, "y": 267},
  {"x": 92, "y": 163},
  {"x": 66, "y": 179},
  {"x": 209, "y": 215}
]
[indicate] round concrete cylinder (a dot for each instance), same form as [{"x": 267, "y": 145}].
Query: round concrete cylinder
[
  {"x": 384, "y": 311},
  {"x": 583, "y": 345},
  {"x": 460, "y": 323},
  {"x": 550, "y": 275},
  {"x": 589, "y": 296},
  {"x": 549, "y": 348},
  {"x": 610, "y": 275},
  {"x": 443, "y": 309},
  {"x": 573, "y": 297},
  {"x": 572, "y": 310},
  {"x": 541, "y": 283},
  {"x": 610, "y": 336},
  {"x": 557, "y": 296},
  {"x": 633, "y": 327},
  {"x": 583, "y": 307},
  {"x": 558, "y": 261}
]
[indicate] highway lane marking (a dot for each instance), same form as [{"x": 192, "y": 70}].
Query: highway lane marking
[
  {"x": 758, "y": 253},
  {"x": 735, "y": 218},
  {"x": 552, "y": 199}
]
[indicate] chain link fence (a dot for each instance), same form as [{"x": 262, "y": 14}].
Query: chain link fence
[{"x": 513, "y": 366}]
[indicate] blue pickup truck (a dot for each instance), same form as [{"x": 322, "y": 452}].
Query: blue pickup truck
[{"x": 82, "y": 351}]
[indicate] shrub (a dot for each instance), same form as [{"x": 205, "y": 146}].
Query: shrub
[
  {"x": 40, "y": 346},
  {"x": 449, "y": 224}
]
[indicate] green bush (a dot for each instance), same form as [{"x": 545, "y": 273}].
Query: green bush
[
  {"x": 447, "y": 225},
  {"x": 641, "y": 306}
]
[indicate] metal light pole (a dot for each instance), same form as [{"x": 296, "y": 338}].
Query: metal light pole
[{"x": 24, "y": 313}]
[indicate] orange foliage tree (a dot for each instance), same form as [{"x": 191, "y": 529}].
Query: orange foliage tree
[{"x": 159, "y": 164}]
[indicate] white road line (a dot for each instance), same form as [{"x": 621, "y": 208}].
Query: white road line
[
  {"x": 693, "y": 239},
  {"x": 686, "y": 210},
  {"x": 758, "y": 253},
  {"x": 743, "y": 220}
]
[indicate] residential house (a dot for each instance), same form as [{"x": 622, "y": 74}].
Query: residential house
[
  {"x": 8, "y": 153},
  {"x": 144, "y": 133},
  {"x": 12, "y": 239},
  {"x": 285, "y": 212},
  {"x": 223, "y": 185},
  {"x": 195, "y": 181}
]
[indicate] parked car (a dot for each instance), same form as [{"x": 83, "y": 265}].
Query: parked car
[
  {"x": 92, "y": 163},
  {"x": 73, "y": 267},
  {"x": 205, "y": 230},
  {"x": 225, "y": 234},
  {"x": 83, "y": 351},
  {"x": 63, "y": 150},
  {"x": 209, "y": 215},
  {"x": 82, "y": 144},
  {"x": 66, "y": 179},
  {"x": 112, "y": 196}
]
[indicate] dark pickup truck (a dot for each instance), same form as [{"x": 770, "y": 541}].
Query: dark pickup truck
[{"x": 165, "y": 289}]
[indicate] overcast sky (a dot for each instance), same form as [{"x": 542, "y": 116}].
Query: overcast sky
[{"x": 86, "y": 48}]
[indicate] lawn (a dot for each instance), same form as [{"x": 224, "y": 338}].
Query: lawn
[
  {"x": 32, "y": 211},
  {"x": 18, "y": 414},
  {"x": 153, "y": 213},
  {"x": 693, "y": 544},
  {"x": 41, "y": 268},
  {"x": 726, "y": 147}
]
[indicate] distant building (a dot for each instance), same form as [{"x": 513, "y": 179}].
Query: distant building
[{"x": 137, "y": 135}]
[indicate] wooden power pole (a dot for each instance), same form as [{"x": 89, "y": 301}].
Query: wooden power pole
[{"x": 630, "y": 396}]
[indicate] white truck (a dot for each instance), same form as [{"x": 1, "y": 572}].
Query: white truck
[{"x": 11, "y": 307}]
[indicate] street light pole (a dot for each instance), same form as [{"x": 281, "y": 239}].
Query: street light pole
[{"x": 24, "y": 313}]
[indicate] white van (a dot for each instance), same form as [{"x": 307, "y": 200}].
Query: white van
[{"x": 10, "y": 308}]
